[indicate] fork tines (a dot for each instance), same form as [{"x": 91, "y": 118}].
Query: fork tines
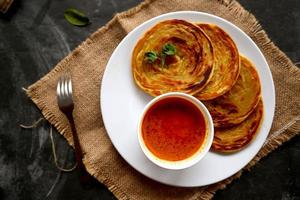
[{"x": 64, "y": 90}]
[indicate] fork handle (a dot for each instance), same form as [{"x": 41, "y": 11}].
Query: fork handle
[{"x": 85, "y": 178}]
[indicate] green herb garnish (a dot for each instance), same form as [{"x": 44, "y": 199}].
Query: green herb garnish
[
  {"x": 151, "y": 56},
  {"x": 76, "y": 17},
  {"x": 169, "y": 49}
]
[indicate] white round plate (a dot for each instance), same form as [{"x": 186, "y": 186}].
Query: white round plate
[{"x": 122, "y": 103}]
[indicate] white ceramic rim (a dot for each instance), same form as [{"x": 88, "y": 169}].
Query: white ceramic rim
[
  {"x": 202, "y": 150},
  {"x": 183, "y": 178}
]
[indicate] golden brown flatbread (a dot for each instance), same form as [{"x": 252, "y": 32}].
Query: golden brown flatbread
[
  {"x": 226, "y": 63},
  {"x": 188, "y": 71},
  {"x": 236, "y": 105},
  {"x": 235, "y": 138}
]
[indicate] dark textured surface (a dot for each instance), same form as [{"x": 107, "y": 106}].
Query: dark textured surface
[{"x": 34, "y": 36}]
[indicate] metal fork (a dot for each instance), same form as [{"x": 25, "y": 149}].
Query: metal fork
[{"x": 66, "y": 105}]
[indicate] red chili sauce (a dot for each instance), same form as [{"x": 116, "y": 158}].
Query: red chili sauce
[{"x": 173, "y": 129}]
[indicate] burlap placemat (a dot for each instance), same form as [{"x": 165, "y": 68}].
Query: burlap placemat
[{"x": 87, "y": 64}]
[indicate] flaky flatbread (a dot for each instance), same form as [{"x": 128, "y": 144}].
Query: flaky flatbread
[
  {"x": 226, "y": 63},
  {"x": 236, "y": 105},
  {"x": 235, "y": 138},
  {"x": 188, "y": 71}
]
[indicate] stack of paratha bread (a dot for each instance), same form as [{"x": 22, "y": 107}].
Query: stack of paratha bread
[{"x": 202, "y": 60}]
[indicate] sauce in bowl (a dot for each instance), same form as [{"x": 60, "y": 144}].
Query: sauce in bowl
[{"x": 173, "y": 129}]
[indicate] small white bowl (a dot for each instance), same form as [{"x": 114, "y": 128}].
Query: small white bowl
[{"x": 182, "y": 164}]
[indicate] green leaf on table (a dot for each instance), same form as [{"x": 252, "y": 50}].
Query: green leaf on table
[{"x": 76, "y": 17}]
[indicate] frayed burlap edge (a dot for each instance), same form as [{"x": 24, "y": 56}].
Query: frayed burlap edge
[
  {"x": 33, "y": 95},
  {"x": 5, "y": 5},
  {"x": 267, "y": 47}
]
